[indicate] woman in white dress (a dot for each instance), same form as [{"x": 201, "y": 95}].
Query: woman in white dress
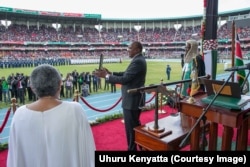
[{"x": 50, "y": 132}]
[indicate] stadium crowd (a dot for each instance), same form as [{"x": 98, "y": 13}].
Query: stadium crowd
[
  {"x": 106, "y": 42},
  {"x": 18, "y": 32}
]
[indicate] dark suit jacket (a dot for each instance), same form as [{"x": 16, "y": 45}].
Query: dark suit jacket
[{"x": 133, "y": 77}]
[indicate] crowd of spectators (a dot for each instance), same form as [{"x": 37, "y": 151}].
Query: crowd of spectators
[
  {"x": 45, "y": 33},
  {"x": 110, "y": 42},
  {"x": 154, "y": 39}
]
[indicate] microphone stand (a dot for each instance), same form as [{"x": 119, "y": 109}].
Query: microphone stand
[
  {"x": 156, "y": 130},
  {"x": 203, "y": 117}
]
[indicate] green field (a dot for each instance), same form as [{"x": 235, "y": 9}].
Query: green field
[{"x": 155, "y": 72}]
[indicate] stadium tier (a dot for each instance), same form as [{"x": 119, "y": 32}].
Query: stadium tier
[{"x": 30, "y": 35}]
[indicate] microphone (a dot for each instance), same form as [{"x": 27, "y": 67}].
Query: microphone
[
  {"x": 237, "y": 68},
  {"x": 100, "y": 61}
]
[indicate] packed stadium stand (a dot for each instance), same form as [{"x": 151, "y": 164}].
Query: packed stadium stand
[{"x": 27, "y": 36}]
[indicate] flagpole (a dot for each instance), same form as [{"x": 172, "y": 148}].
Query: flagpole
[
  {"x": 210, "y": 43},
  {"x": 233, "y": 47},
  {"x": 203, "y": 27}
]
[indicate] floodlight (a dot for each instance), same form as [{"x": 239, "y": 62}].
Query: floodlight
[{"x": 6, "y": 23}]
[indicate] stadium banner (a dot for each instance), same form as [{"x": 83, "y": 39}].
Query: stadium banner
[
  {"x": 4, "y": 9},
  {"x": 46, "y": 13}
]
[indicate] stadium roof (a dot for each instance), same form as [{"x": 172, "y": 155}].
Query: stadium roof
[{"x": 25, "y": 15}]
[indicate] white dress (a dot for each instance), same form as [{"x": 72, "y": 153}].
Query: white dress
[{"x": 59, "y": 137}]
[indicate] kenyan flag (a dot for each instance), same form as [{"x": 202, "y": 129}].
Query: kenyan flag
[{"x": 239, "y": 62}]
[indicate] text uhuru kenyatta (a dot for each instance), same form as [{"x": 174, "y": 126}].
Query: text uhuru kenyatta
[{"x": 173, "y": 159}]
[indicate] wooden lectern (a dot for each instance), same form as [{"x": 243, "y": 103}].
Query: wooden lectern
[
  {"x": 169, "y": 142},
  {"x": 218, "y": 115}
]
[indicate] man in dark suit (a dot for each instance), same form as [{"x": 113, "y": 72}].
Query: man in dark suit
[{"x": 133, "y": 77}]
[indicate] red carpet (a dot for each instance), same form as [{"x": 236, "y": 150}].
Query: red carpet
[
  {"x": 3, "y": 158},
  {"x": 111, "y": 135}
]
